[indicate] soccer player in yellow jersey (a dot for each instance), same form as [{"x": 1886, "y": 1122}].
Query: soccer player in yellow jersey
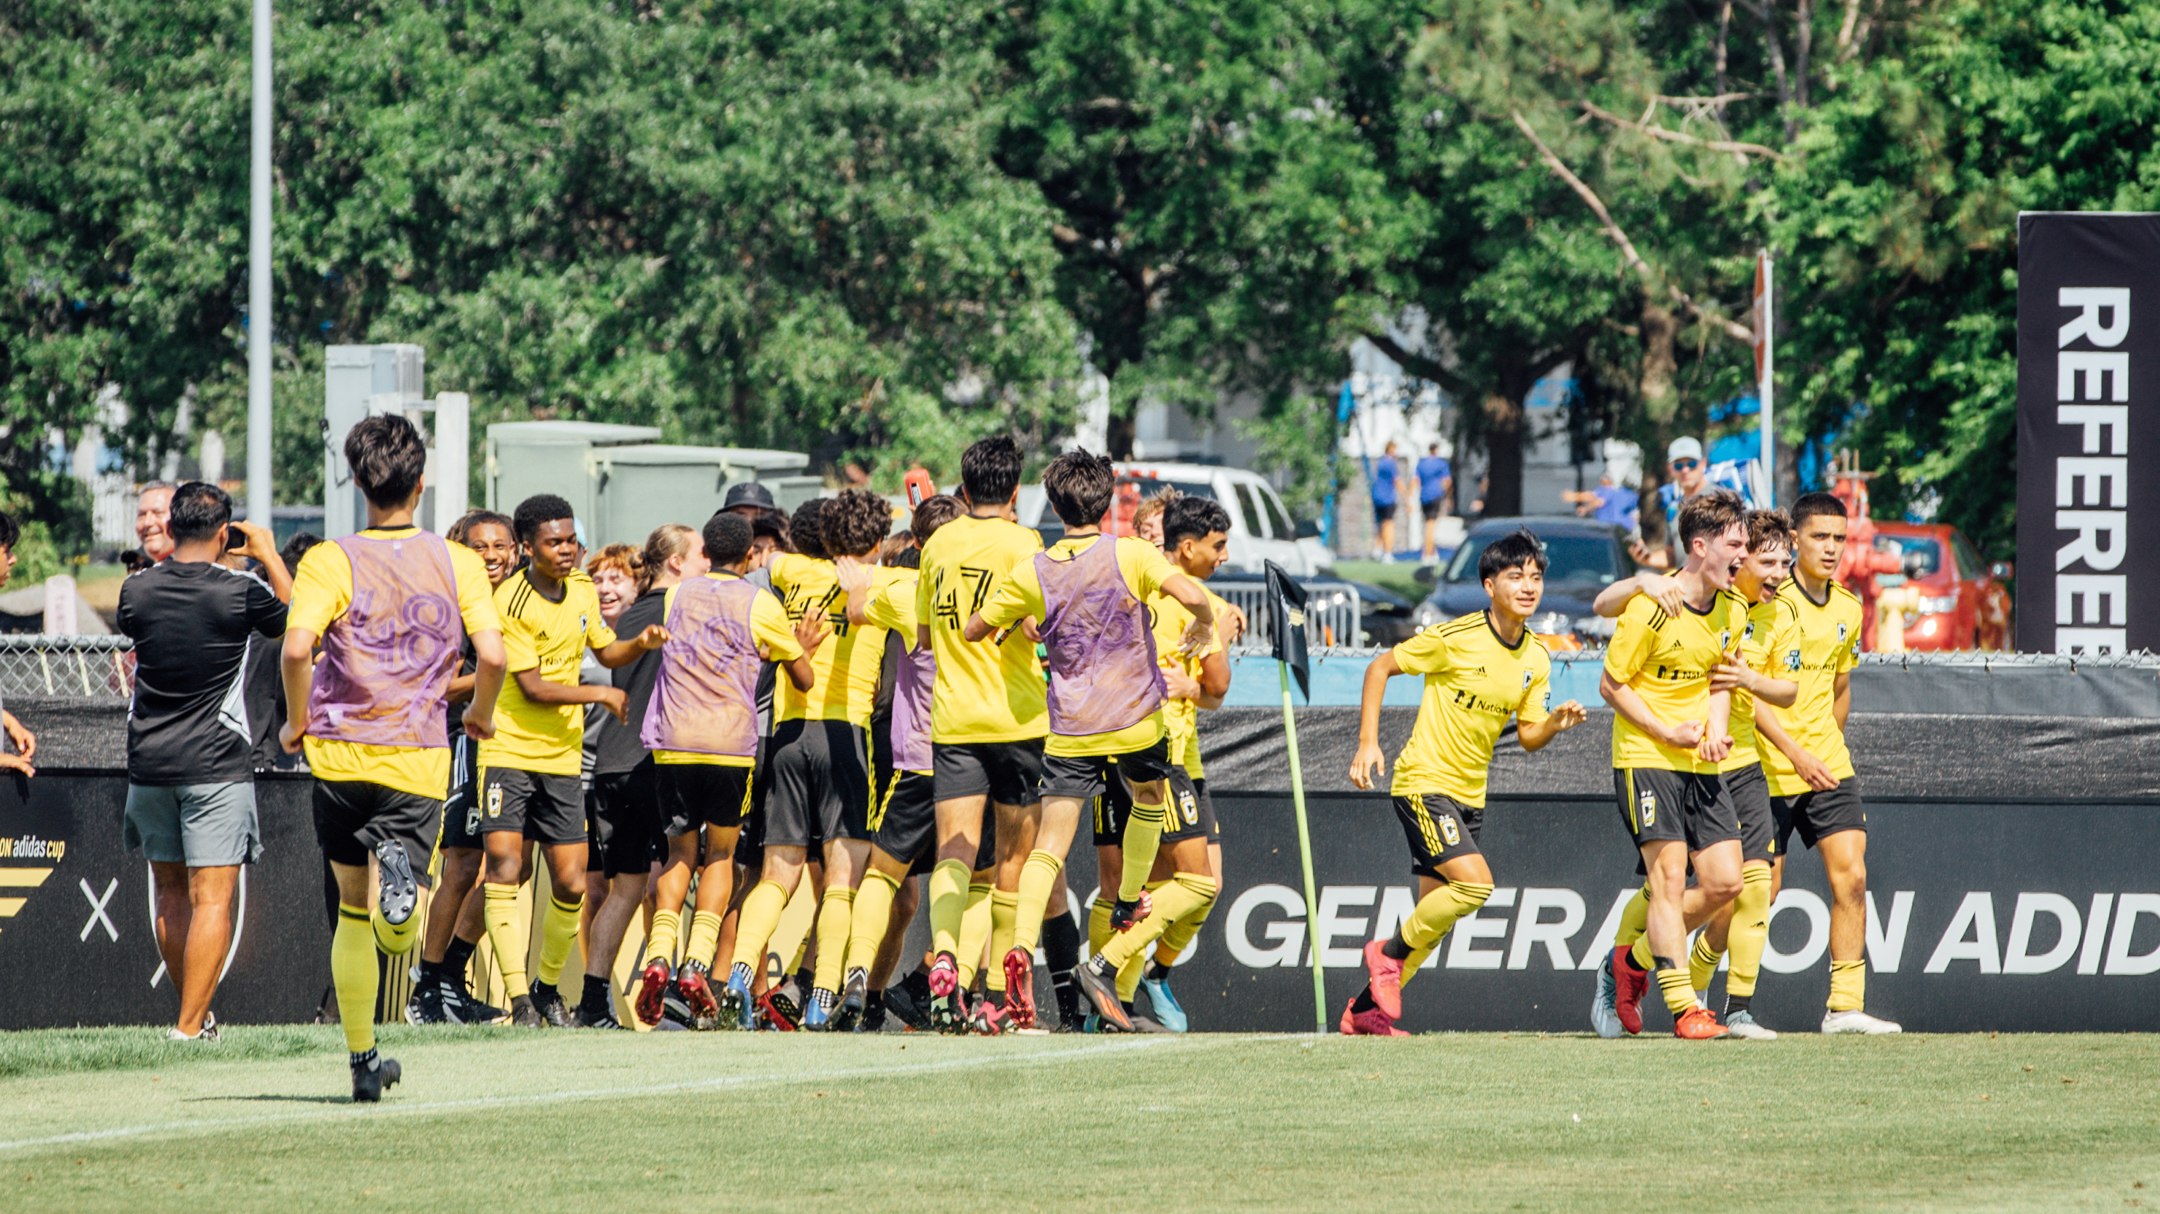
[
  {"x": 1479, "y": 670},
  {"x": 988, "y": 717},
  {"x": 1743, "y": 926},
  {"x": 1089, "y": 592},
  {"x": 529, "y": 789},
  {"x": 390, "y": 606},
  {"x": 821, "y": 778},
  {"x": 1812, "y": 786},
  {"x": 1671, "y": 734},
  {"x": 701, "y": 724}
]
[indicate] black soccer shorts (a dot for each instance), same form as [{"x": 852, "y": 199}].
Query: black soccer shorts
[
  {"x": 1750, "y": 793},
  {"x": 542, "y": 806},
  {"x": 1010, "y": 773},
  {"x": 1819, "y": 814},
  {"x": 353, "y": 817},
  {"x": 1438, "y": 828},
  {"x": 1683, "y": 806},
  {"x": 820, "y": 784}
]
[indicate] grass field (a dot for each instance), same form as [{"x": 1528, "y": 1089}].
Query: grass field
[{"x": 509, "y": 1120}]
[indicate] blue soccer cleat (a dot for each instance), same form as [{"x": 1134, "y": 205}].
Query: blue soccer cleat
[{"x": 1168, "y": 1013}]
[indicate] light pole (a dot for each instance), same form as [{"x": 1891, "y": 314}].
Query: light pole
[{"x": 258, "y": 445}]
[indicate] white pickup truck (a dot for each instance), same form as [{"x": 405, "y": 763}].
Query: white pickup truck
[{"x": 1260, "y": 529}]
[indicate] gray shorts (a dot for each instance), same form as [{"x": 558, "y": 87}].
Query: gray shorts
[{"x": 199, "y": 825}]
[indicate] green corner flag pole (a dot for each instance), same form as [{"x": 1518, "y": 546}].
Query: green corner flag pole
[{"x": 1304, "y": 846}]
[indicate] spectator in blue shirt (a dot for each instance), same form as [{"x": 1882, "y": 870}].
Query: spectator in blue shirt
[
  {"x": 1608, "y": 503},
  {"x": 1435, "y": 480},
  {"x": 1385, "y": 473}
]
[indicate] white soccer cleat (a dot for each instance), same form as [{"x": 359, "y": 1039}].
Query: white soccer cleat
[
  {"x": 1742, "y": 1025},
  {"x": 1857, "y": 1021},
  {"x": 1604, "y": 1005}
]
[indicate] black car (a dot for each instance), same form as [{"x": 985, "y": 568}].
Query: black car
[{"x": 1584, "y": 557}]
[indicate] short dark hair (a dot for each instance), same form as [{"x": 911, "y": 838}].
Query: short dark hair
[
  {"x": 853, "y": 523},
  {"x": 807, "y": 528},
  {"x": 1193, "y": 516},
  {"x": 990, "y": 470},
  {"x": 1080, "y": 485},
  {"x": 462, "y": 528},
  {"x": 773, "y": 523},
  {"x": 534, "y": 511},
  {"x": 1812, "y": 504},
  {"x": 199, "y": 508},
  {"x": 935, "y": 511},
  {"x": 1710, "y": 514},
  {"x": 10, "y": 531},
  {"x": 297, "y": 547},
  {"x": 387, "y": 456},
  {"x": 1511, "y": 551},
  {"x": 727, "y": 538},
  {"x": 1768, "y": 529}
]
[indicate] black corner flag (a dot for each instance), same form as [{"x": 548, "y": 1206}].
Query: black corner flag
[{"x": 1287, "y": 618}]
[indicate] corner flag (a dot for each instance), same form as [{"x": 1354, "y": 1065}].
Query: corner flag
[
  {"x": 1286, "y": 615},
  {"x": 1286, "y": 612}
]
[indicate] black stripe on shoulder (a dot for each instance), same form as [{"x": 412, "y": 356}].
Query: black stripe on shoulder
[
  {"x": 520, "y": 595},
  {"x": 1658, "y": 619},
  {"x": 1464, "y": 623},
  {"x": 1838, "y": 588}
]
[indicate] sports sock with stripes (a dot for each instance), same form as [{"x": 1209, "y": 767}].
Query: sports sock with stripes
[
  {"x": 974, "y": 931},
  {"x": 704, "y": 944},
  {"x": 1004, "y": 909},
  {"x": 1038, "y": 880},
  {"x": 873, "y": 918},
  {"x": 1702, "y": 962},
  {"x": 1178, "y": 937},
  {"x": 1634, "y": 920},
  {"x": 499, "y": 912},
  {"x": 1848, "y": 986},
  {"x": 660, "y": 942},
  {"x": 835, "y": 926},
  {"x": 1438, "y": 911},
  {"x": 558, "y": 935},
  {"x": 1099, "y": 923},
  {"x": 352, "y": 970},
  {"x": 1673, "y": 981},
  {"x": 1182, "y": 895},
  {"x": 948, "y": 904},
  {"x": 760, "y": 915},
  {"x": 1749, "y": 935},
  {"x": 1143, "y": 837}
]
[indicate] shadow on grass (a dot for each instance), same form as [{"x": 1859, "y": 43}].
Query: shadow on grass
[{"x": 268, "y": 1098}]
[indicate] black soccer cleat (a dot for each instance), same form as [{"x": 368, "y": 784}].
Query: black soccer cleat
[
  {"x": 426, "y": 1005},
  {"x": 1099, "y": 983},
  {"x": 462, "y": 1008},
  {"x": 855, "y": 994},
  {"x": 873, "y": 1019},
  {"x": 523, "y": 1015},
  {"x": 371, "y": 1075},
  {"x": 399, "y": 894},
  {"x": 909, "y": 1001},
  {"x": 548, "y": 1001},
  {"x": 1124, "y": 914}
]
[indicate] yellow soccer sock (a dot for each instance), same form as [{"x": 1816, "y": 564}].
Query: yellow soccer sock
[
  {"x": 498, "y": 911},
  {"x": 1641, "y": 955},
  {"x": 1679, "y": 996},
  {"x": 1128, "y": 977},
  {"x": 1437, "y": 912},
  {"x": 760, "y": 916},
  {"x": 1702, "y": 962},
  {"x": 352, "y": 968},
  {"x": 1182, "y": 895},
  {"x": 1143, "y": 838},
  {"x": 1635, "y": 920},
  {"x": 873, "y": 915},
  {"x": 1038, "y": 880},
  {"x": 395, "y": 939},
  {"x": 660, "y": 941},
  {"x": 1848, "y": 986},
  {"x": 704, "y": 938},
  {"x": 1750, "y": 932},
  {"x": 1178, "y": 937},
  {"x": 974, "y": 931},
  {"x": 948, "y": 905},
  {"x": 1004, "y": 909},
  {"x": 835, "y": 924},
  {"x": 1098, "y": 924},
  {"x": 1412, "y": 963},
  {"x": 558, "y": 935}
]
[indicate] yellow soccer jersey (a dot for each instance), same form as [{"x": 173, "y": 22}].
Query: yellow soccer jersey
[
  {"x": 891, "y": 606},
  {"x": 848, "y": 663},
  {"x": 1826, "y": 645},
  {"x": 1473, "y": 682},
  {"x": 769, "y": 627},
  {"x": 1768, "y": 626},
  {"x": 984, "y": 692},
  {"x": 322, "y": 590},
  {"x": 551, "y": 638},
  {"x": 1182, "y": 717},
  {"x": 1020, "y": 595},
  {"x": 1667, "y": 660}
]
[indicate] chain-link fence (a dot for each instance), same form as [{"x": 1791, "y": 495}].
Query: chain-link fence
[{"x": 99, "y": 667}]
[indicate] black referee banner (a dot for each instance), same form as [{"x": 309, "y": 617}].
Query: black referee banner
[
  {"x": 2012, "y": 916},
  {"x": 2088, "y": 452}
]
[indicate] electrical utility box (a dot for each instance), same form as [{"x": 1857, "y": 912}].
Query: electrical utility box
[
  {"x": 622, "y": 484},
  {"x": 361, "y": 381}
]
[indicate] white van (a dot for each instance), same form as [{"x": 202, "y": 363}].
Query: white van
[{"x": 1260, "y": 529}]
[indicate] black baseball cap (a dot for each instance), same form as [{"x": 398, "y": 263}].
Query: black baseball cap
[{"x": 748, "y": 493}]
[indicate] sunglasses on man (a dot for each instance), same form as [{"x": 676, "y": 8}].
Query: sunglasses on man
[{"x": 1686, "y": 465}]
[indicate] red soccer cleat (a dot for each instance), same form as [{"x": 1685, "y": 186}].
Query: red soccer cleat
[
  {"x": 652, "y": 987},
  {"x": 1372, "y": 1022},
  {"x": 1123, "y": 915},
  {"x": 696, "y": 992},
  {"x": 1698, "y": 1023},
  {"x": 1383, "y": 977},
  {"x": 1020, "y": 988},
  {"x": 1629, "y": 987}
]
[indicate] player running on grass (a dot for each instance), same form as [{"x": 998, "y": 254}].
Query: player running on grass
[
  {"x": 1090, "y": 591},
  {"x": 529, "y": 788},
  {"x": 390, "y": 606},
  {"x": 1671, "y": 733},
  {"x": 1479, "y": 670},
  {"x": 701, "y": 725},
  {"x": 1812, "y": 786},
  {"x": 1743, "y": 926},
  {"x": 821, "y": 780}
]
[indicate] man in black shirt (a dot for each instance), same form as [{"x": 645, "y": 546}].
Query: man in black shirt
[{"x": 191, "y": 772}]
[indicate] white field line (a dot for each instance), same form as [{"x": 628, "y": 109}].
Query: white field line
[{"x": 193, "y": 1126}]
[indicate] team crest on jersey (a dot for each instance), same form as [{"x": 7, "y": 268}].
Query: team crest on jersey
[
  {"x": 1646, "y": 807},
  {"x": 1792, "y": 659},
  {"x": 1526, "y": 680},
  {"x": 1724, "y": 640},
  {"x": 1841, "y": 632}
]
